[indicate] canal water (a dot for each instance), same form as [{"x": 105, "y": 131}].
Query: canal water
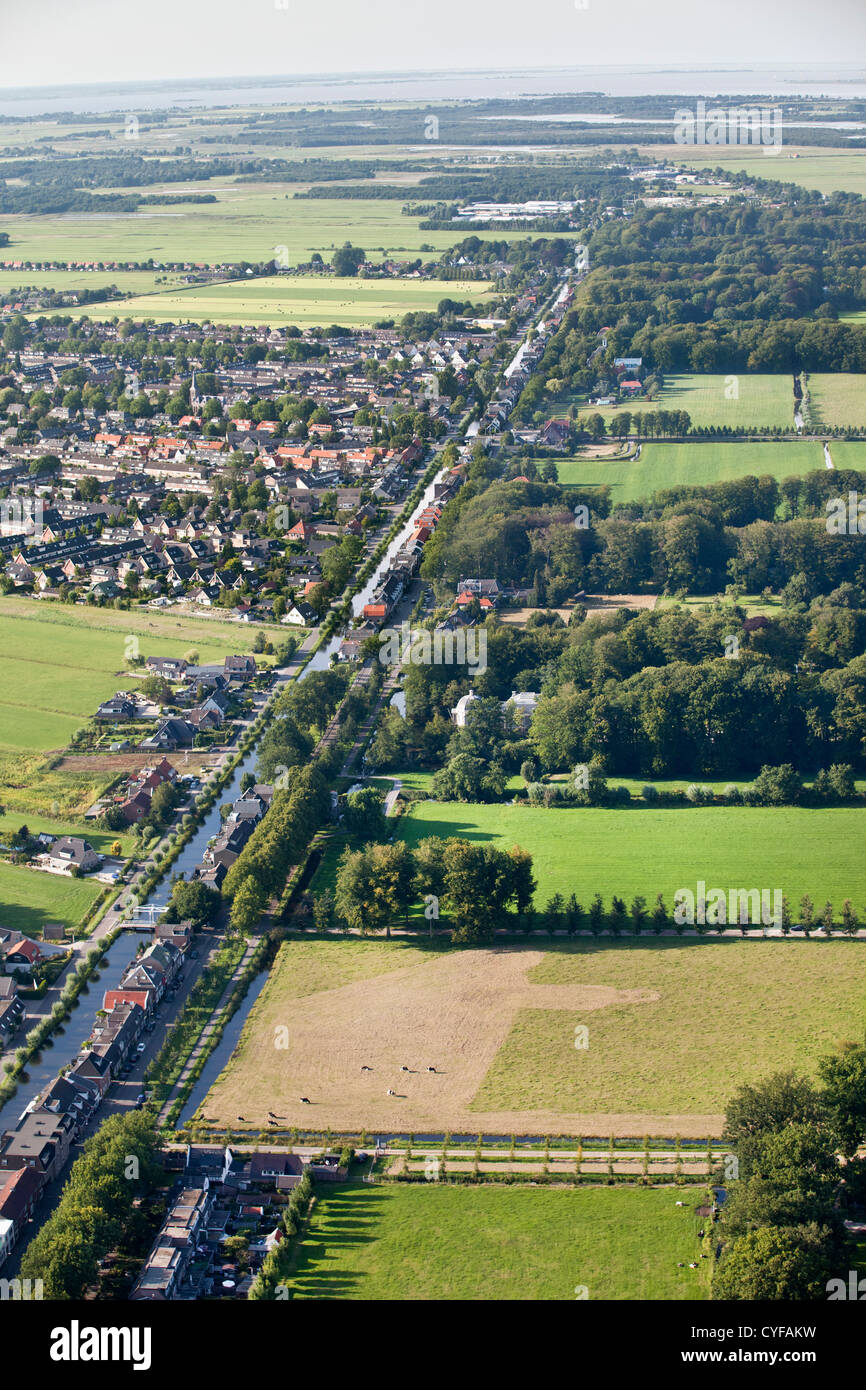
[{"x": 76, "y": 1029}]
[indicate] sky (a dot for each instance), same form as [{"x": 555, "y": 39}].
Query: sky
[{"x": 60, "y": 42}]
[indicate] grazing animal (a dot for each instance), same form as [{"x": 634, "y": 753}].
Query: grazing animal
[
  {"x": 240, "y": 1117},
  {"x": 392, "y": 1093},
  {"x": 404, "y": 1068},
  {"x": 366, "y": 1069},
  {"x": 305, "y": 1100},
  {"x": 431, "y": 1068}
]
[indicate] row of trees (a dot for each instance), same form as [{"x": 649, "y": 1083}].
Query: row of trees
[
  {"x": 278, "y": 841},
  {"x": 98, "y": 1205}
]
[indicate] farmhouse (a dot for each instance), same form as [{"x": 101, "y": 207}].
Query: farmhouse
[{"x": 70, "y": 852}]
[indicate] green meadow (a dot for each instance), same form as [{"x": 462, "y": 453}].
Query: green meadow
[
  {"x": 738, "y": 401},
  {"x": 647, "y": 851},
  {"x": 60, "y": 662},
  {"x": 837, "y": 398},
  {"x": 713, "y": 1015},
  {"x": 410, "y": 1243},
  {"x": 248, "y": 222},
  {"x": 673, "y": 465}
]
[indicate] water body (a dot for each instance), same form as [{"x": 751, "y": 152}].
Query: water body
[
  {"x": 77, "y": 1030},
  {"x": 222, "y": 1052},
  {"x": 611, "y": 80}
]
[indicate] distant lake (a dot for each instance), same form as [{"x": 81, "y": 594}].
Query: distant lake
[{"x": 258, "y": 92}]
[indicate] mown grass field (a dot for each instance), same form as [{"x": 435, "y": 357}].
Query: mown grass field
[
  {"x": 408, "y": 1243},
  {"x": 633, "y": 850},
  {"x": 737, "y": 401},
  {"x": 61, "y": 661},
  {"x": 714, "y": 1014},
  {"x": 837, "y": 398},
  {"x": 310, "y": 299},
  {"x": 30, "y": 898},
  {"x": 671, "y": 465}
]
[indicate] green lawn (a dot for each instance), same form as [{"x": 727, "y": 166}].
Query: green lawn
[
  {"x": 401, "y": 1243},
  {"x": 715, "y": 1014},
  {"x": 671, "y": 465},
  {"x": 278, "y": 300},
  {"x": 30, "y": 898},
  {"x": 60, "y": 662},
  {"x": 837, "y": 398},
  {"x": 588, "y": 849},
  {"x": 735, "y": 400},
  {"x": 102, "y": 840}
]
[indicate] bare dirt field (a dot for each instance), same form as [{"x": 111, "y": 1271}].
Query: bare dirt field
[{"x": 450, "y": 1011}]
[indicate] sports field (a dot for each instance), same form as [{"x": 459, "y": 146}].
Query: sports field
[
  {"x": 408, "y": 1243},
  {"x": 301, "y": 300},
  {"x": 60, "y": 662},
  {"x": 589, "y": 849},
  {"x": 671, "y": 465},
  {"x": 735, "y": 400},
  {"x": 674, "y": 1026},
  {"x": 837, "y": 398}
]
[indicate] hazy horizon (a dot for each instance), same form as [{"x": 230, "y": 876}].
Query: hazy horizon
[{"x": 84, "y": 43}]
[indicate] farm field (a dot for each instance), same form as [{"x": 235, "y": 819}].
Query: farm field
[
  {"x": 406, "y": 1243},
  {"x": 51, "y": 681},
  {"x": 837, "y": 398},
  {"x": 31, "y": 898},
  {"x": 674, "y": 1026},
  {"x": 588, "y": 849},
  {"x": 301, "y": 299},
  {"x": 766, "y": 399},
  {"x": 130, "y": 281},
  {"x": 672, "y": 465},
  {"x": 247, "y": 223}
]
